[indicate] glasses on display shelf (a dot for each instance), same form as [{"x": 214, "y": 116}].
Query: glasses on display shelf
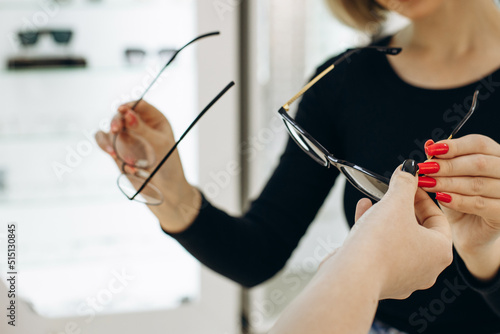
[
  {"x": 28, "y": 38},
  {"x": 136, "y": 56}
]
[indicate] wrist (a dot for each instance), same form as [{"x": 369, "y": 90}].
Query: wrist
[
  {"x": 178, "y": 215},
  {"x": 362, "y": 260},
  {"x": 482, "y": 261},
  {"x": 351, "y": 266}
]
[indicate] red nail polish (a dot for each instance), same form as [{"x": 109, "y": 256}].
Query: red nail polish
[
  {"x": 429, "y": 168},
  {"x": 426, "y": 182},
  {"x": 445, "y": 198},
  {"x": 428, "y": 143},
  {"x": 131, "y": 119},
  {"x": 437, "y": 149}
]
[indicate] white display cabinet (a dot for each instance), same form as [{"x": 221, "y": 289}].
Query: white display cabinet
[{"x": 77, "y": 233}]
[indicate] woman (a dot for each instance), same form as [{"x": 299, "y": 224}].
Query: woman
[{"x": 373, "y": 110}]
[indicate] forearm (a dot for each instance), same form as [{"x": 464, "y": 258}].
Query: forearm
[
  {"x": 342, "y": 298},
  {"x": 244, "y": 249}
]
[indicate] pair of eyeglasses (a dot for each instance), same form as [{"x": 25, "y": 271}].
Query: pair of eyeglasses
[
  {"x": 137, "y": 154},
  {"x": 28, "y": 38},
  {"x": 369, "y": 183},
  {"x": 137, "y": 56}
]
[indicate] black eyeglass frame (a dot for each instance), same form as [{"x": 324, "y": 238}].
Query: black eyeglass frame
[
  {"x": 28, "y": 38},
  {"x": 330, "y": 159}
]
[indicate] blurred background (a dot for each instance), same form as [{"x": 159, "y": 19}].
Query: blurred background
[{"x": 89, "y": 260}]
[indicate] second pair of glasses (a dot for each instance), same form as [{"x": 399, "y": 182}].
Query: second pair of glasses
[{"x": 138, "y": 155}]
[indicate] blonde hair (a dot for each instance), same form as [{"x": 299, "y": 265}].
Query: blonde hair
[{"x": 364, "y": 15}]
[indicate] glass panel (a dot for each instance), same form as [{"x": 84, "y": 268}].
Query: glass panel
[{"x": 60, "y": 188}]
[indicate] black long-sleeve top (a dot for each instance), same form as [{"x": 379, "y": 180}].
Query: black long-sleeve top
[{"x": 362, "y": 112}]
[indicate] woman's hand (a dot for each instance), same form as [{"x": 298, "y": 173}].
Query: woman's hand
[
  {"x": 182, "y": 201},
  {"x": 466, "y": 174},
  {"x": 407, "y": 235},
  {"x": 388, "y": 254}
]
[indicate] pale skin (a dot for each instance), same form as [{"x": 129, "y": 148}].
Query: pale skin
[{"x": 344, "y": 294}]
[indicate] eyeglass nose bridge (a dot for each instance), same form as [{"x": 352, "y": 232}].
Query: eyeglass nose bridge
[{"x": 332, "y": 161}]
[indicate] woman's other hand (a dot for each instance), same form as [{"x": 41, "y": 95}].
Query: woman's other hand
[
  {"x": 182, "y": 201},
  {"x": 465, "y": 174}
]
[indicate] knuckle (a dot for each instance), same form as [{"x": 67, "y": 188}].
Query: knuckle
[
  {"x": 479, "y": 203},
  {"x": 429, "y": 284},
  {"x": 447, "y": 255},
  {"x": 480, "y": 163},
  {"x": 447, "y": 166},
  {"x": 459, "y": 203},
  {"x": 482, "y": 143},
  {"x": 446, "y": 182},
  {"x": 477, "y": 185}
]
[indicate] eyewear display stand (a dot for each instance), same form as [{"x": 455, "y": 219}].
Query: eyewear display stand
[
  {"x": 17, "y": 63},
  {"x": 54, "y": 59}
]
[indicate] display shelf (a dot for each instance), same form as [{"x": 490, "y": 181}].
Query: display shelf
[{"x": 70, "y": 5}]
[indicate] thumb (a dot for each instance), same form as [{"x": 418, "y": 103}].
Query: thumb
[
  {"x": 363, "y": 205},
  {"x": 404, "y": 183}
]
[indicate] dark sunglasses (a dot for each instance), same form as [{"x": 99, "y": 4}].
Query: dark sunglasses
[
  {"x": 369, "y": 183},
  {"x": 31, "y": 37}
]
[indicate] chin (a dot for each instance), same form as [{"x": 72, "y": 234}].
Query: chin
[{"x": 412, "y": 9}]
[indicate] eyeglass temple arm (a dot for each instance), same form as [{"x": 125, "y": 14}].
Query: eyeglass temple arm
[
  {"x": 200, "y": 115},
  {"x": 170, "y": 61},
  {"x": 464, "y": 120},
  {"x": 306, "y": 87},
  {"x": 387, "y": 50},
  {"x": 469, "y": 114}
]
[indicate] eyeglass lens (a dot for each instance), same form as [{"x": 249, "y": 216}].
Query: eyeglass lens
[
  {"x": 129, "y": 183},
  {"x": 369, "y": 185},
  {"x": 306, "y": 145},
  {"x": 59, "y": 36}
]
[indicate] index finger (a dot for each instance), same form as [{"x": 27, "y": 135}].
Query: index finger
[
  {"x": 471, "y": 144},
  {"x": 430, "y": 215}
]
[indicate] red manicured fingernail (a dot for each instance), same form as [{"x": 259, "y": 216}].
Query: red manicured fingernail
[
  {"x": 428, "y": 168},
  {"x": 426, "y": 182},
  {"x": 131, "y": 119},
  {"x": 437, "y": 149},
  {"x": 428, "y": 143},
  {"x": 445, "y": 198}
]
